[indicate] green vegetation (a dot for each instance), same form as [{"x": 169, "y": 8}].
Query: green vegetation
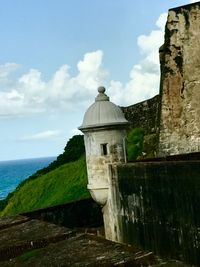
[
  {"x": 73, "y": 150},
  {"x": 135, "y": 141},
  {"x": 65, "y": 183},
  {"x": 29, "y": 254},
  {"x": 62, "y": 181}
]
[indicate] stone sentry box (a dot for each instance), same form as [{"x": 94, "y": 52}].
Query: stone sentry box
[{"x": 104, "y": 128}]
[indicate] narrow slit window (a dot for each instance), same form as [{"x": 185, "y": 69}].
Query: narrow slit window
[{"x": 104, "y": 149}]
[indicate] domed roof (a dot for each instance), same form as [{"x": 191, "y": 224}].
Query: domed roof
[{"x": 102, "y": 113}]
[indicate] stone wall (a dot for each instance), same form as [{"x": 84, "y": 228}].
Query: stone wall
[
  {"x": 145, "y": 115},
  {"x": 80, "y": 213},
  {"x": 155, "y": 206},
  {"x": 171, "y": 120},
  {"x": 180, "y": 82}
]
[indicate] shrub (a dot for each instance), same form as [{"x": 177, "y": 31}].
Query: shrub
[{"x": 135, "y": 141}]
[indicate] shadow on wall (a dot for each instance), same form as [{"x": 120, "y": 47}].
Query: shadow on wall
[{"x": 82, "y": 213}]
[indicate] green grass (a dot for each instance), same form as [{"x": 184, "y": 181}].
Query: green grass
[
  {"x": 29, "y": 254},
  {"x": 64, "y": 184}
]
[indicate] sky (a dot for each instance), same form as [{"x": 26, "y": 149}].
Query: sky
[{"x": 55, "y": 53}]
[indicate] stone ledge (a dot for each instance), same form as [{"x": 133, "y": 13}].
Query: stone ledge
[{"x": 27, "y": 242}]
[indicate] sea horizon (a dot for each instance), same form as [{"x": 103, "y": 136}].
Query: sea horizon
[
  {"x": 13, "y": 172},
  {"x": 42, "y": 157}
]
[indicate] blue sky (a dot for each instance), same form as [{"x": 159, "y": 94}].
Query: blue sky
[{"x": 54, "y": 55}]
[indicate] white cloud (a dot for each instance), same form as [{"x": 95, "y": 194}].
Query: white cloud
[
  {"x": 193, "y": 1},
  {"x": 30, "y": 93},
  {"x": 145, "y": 75},
  {"x": 7, "y": 68},
  {"x": 46, "y": 135},
  {"x": 161, "y": 21},
  {"x": 75, "y": 131}
]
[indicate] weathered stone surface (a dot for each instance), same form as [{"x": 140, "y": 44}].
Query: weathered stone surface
[
  {"x": 33, "y": 243},
  {"x": 143, "y": 115},
  {"x": 171, "y": 263},
  {"x": 180, "y": 82},
  {"x": 26, "y": 242},
  {"x": 7, "y": 222},
  {"x": 84, "y": 250},
  {"x": 28, "y": 235}
]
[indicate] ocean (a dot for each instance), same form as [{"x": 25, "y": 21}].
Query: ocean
[{"x": 15, "y": 171}]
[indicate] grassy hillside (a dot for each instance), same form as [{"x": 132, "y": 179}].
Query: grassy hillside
[{"x": 64, "y": 184}]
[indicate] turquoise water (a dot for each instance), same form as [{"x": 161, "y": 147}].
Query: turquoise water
[{"x": 15, "y": 171}]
